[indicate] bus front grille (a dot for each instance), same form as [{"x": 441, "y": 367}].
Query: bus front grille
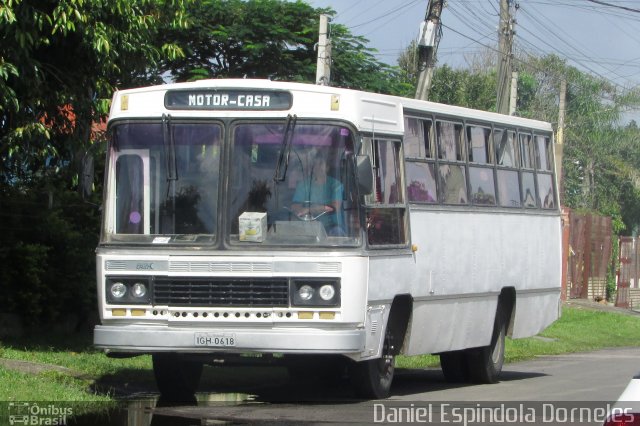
[{"x": 213, "y": 292}]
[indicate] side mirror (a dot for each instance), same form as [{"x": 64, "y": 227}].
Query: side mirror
[
  {"x": 365, "y": 174},
  {"x": 87, "y": 175}
]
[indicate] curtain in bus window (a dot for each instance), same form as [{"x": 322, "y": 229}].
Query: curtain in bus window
[
  {"x": 413, "y": 138},
  {"x": 417, "y": 139},
  {"x": 544, "y": 152},
  {"x": 528, "y": 190},
  {"x": 526, "y": 151},
  {"x": 545, "y": 188},
  {"x": 421, "y": 182},
  {"x": 450, "y": 146},
  {"x": 386, "y": 215},
  {"x": 129, "y": 195},
  {"x": 482, "y": 186},
  {"x": 508, "y": 188},
  {"x": 503, "y": 141},
  {"x": 478, "y": 138},
  {"x": 389, "y": 173}
]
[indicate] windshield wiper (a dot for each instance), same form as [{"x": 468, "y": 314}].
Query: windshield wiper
[
  {"x": 169, "y": 148},
  {"x": 280, "y": 172}
]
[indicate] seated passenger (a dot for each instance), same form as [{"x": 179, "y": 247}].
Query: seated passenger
[{"x": 319, "y": 196}]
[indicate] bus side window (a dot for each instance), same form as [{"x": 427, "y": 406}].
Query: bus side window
[
  {"x": 452, "y": 171},
  {"x": 419, "y": 152},
  {"x": 480, "y": 166},
  {"x": 386, "y": 209},
  {"x": 506, "y": 163}
]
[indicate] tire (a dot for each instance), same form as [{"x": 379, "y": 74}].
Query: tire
[
  {"x": 371, "y": 379},
  {"x": 454, "y": 366},
  {"x": 485, "y": 363},
  {"x": 177, "y": 379}
]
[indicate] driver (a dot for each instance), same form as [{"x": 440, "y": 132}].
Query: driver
[{"x": 319, "y": 196}]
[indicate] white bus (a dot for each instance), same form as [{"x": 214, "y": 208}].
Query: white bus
[{"x": 436, "y": 231}]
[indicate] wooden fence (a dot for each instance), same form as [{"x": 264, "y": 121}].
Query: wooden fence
[{"x": 588, "y": 255}]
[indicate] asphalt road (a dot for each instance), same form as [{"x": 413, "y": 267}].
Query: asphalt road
[{"x": 547, "y": 387}]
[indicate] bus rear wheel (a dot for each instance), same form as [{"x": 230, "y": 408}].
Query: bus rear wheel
[
  {"x": 485, "y": 363},
  {"x": 454, "y": 366},
  {"x": 177, "y": 378}
]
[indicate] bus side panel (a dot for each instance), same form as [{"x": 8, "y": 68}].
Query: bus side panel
[
  {"x": 534, "y": 312},
  {"x": 450, "y": 324},
  {"x": 463, "y": 261}
]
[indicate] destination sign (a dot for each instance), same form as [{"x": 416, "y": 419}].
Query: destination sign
[{"x": 224, "y": 100}]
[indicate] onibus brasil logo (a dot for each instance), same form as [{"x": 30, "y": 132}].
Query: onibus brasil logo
[{"x": 32, "y": 414}]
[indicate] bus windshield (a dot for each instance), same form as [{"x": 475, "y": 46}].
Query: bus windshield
[
  {"x": 297, "y": 179},
  {"x": 163, "y": 182},
  {"x": 289, "y": 183}
]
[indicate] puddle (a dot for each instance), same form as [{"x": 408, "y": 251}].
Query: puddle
[{"x": 155, "y": 411}]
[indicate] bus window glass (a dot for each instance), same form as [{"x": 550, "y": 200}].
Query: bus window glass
[
  {"x": 421, "y": 182},
  {"x": 508, "y": 188},
  {"x": 302, "y": 179},
  {"x": 453, "y": 184},
  {"x": 417, "y": 139},
  {"x": 450, "y": 145},
  {"x": 504, "y": 147},
  {"x": 482, "y": 186},
  {"x": 478, "y": 141},
  {"x": 526, "y": 151},
  {"x": 545, "y": 188},
  {"x": 386, "y": 211},
  {"x": 544, "y": 152},
  {"x": 166, "y": 182},
  {"x": 130, "y": 208},
  {"x": 528, "y": 190}
]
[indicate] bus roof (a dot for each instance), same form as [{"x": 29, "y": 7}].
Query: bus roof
[{"x": 251, "y": 98}]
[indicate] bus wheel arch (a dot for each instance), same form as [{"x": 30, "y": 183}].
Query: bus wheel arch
[{"x": 371, "y": 379}]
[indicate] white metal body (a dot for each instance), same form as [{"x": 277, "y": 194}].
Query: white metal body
[{"x": 456, "y": 263}]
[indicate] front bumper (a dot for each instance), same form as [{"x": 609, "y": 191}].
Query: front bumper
[{"x": 148, "y": 339}]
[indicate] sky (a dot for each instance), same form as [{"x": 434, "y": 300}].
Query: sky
[{"x": 601, "y": 37}]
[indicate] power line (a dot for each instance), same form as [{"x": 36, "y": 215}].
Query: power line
[{"x": 630, "y": 9}]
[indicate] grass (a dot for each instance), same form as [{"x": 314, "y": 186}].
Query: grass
[{"x": 97, "y": 378}]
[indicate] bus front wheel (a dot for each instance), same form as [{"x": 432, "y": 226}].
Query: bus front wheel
[
  {"x": 371, "y": 379},
  {"x": 177, "y": 378}
]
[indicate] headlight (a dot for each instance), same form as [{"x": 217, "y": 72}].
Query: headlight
[
  {"x": 139, "y": 290},
  {"x": 327, "y": 292},
  {"x": 306, "y": 292},
  {"x": 317, "y": 292},
  {"x": 128, "y": 290},
  {"x": 118, "y": 290}
]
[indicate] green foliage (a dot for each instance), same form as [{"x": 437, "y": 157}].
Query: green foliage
[
  {"x": 272, "y": 39},
  {"x": 464, "y": 88},
  {"x": 47, "y": 249},
  {"x": 59, "y": 60}
]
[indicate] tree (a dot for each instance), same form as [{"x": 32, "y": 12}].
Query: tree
[
  {"x": 59, "y": 60},
  {"x": 272, "y": 39},
  {"x": 59, "y": 63}
]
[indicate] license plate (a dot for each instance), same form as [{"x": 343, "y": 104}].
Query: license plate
[{"x": 215, "y": 340}]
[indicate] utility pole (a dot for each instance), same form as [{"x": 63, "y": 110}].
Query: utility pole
[
  {"x": 559, "y": 145},
  {"x": 505, "y": 45},
  {"x": 323, "y": 66},
  {"x": 513, "y": 99},
  {"x": 430, "y": 32}
]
